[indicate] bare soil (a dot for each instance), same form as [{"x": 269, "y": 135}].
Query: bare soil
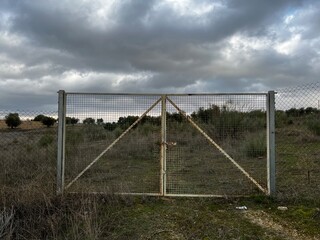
[{"x": 284, "y": 229}]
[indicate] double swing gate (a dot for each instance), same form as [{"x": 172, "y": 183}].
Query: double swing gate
[{"x": 166, "y": 145}]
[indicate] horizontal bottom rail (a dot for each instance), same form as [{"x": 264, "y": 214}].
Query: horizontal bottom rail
[
  {"x": 116, "y": 193},
  {"x": 166, "y": 195}
]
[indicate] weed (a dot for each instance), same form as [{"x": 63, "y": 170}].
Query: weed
[{"x": 6, "y": 223}]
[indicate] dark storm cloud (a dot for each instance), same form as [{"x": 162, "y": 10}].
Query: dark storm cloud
[
  {"x": 132, "y": 40},
  {"x": 156, "y": 46}
]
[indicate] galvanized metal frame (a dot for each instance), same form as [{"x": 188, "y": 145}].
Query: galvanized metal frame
[
  {"x": 271, "y": 156},
  {"x": 163, "y": 99},
  {"x": 168, "y": 94},
  {"x": 163, "y": 177},
  {"x": 61, "y": 141}
]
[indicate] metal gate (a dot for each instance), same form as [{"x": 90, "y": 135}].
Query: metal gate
[{"x": 166, "y": 145}]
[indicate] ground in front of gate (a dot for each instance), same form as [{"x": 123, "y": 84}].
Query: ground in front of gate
[{"x": 114, "y": 217}]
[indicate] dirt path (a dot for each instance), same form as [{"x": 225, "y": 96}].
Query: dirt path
[{"x": 266, "y": 221}]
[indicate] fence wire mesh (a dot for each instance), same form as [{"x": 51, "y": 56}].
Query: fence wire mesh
[
  {"x": 128, "y": 160},
  {"x": 237, "y": 123},
  {"x": 27, "y": 152},
  {"x": 132, "y": 163},
  {"x": 298, "y": 141},
  {"x": 194, "y": 166}
]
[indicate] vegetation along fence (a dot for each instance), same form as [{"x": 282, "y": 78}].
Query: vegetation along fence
[
  {"x": 185, "y": 145},
  {"x": 168, "y": 145}
]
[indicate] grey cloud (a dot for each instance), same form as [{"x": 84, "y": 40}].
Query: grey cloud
[
  {"x": 160, "y": 49},
  {"x": 119, "y": 48}
]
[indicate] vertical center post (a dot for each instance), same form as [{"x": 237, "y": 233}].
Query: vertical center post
[{"x": 163, "y": 180}]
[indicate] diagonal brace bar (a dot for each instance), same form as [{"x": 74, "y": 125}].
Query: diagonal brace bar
[
  {"x": 218, "y": 147},
  {"x": 112, "y": 144}
]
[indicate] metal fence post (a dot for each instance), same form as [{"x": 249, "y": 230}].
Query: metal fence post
[
  {"x": 163, "y": 179},
  {"x": 61, "y": 140},
  {"x": 271, "y": 162}
]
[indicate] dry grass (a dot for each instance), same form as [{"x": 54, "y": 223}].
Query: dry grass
[
  {"x": 116, "y": 217},
  {"x": 27, "y": 186}
]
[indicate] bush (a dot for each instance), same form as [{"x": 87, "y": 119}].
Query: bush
[
  {"x": 99, "y": 121},
  {"x": 255, "y": 146},
  {"x": 13, "y": 120},
  {"x": 48, "y": 121},
  {"x": 110, "y": 126},
  {"x": 314, "y": 126},
  {"x": 72, "y": 120},
  {"x": 229, "y": 124},
  {"x": 39, "y": 118},
  {"x": 94, "y": 132},
  {"x": 89, "y": 121}
]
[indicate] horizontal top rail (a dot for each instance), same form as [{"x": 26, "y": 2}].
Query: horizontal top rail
[{"x": 166, "y": 94}]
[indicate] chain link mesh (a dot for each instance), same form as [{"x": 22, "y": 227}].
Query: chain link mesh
[
  {"x": 27, "y": 153},
  {"x": 298, "y": 141}
]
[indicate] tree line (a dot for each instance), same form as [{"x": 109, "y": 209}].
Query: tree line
[
  {"x": 13, "y": 120},
  {"x": 211, "y": 115}
]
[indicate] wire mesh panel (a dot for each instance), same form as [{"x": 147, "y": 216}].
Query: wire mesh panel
[
  {"x": 27, "y": 152},
  {"x": 216, "y": 145},
  {"x": 166, "y": 144},
  {"x": 298, "y": 141},
  {"x": 120, "y": 135}
]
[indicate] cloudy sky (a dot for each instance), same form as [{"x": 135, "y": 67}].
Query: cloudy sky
[{"x": 169, "y": 46}]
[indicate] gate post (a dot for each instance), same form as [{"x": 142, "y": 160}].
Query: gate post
[
  {"x": 271, "y": 162},
  {"x": 61, "y": 140},
  {"x": 163, "y": 177}
]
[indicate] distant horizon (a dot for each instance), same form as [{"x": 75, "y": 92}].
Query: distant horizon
[{"x": 105, "y": 106}]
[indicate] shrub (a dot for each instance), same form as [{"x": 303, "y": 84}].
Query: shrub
[
  {"x": 110, "y": 126},
  {"x": 255, "y": 146},
  {"x": 89, "y": 121},
  {"x": 39, "y": 118},
  {"x": 94, "y": 133},
  {"x": 314, "y": 126},
  {"x": 13, "y": 120},
  {"x": 72, "y": 120},
  {"x": 229, "y": 124},
  {"x": 48, "y": 121},
  {"x": 99, "y": 121}
]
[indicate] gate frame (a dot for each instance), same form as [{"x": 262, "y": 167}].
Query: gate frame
[
  {"x": 270, "y": 119},
  {"x": 271, "y": 144}
]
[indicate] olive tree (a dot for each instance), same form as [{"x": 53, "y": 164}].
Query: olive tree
[
  {"x": 48, "y": 121},
  {"x": 12, "y": 120}
]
